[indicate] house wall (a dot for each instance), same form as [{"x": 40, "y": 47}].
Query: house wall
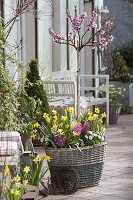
[{"x": 121, "y": 13}]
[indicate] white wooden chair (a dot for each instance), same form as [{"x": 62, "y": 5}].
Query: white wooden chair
[{"x": 62, "y": 90}]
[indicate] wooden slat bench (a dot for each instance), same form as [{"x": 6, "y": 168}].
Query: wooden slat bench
[{"x": 61, "y": 90}]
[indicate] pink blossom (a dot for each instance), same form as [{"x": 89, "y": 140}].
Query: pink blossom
[
  {"x": 110, "y": 39},
  {"x": 77, "y": 128},
  {"x": 56, "y": 37},
  {"x": 103, "y": 42},
  {"x": 77, "y": 21},
  {"x": 93, "y": 21},
  {"x": 108, "y": 26}
]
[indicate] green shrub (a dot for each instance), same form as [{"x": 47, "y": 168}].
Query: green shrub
[
  {"x": 8, "y": 102},
  {"x": 120, "y": 66},
  {"x": 34, "y": 87}
]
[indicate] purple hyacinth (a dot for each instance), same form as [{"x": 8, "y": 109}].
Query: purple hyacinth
[
  {"x": 85, "y": 127},
  {"x": 77, "y": 128},
  {"x": 59, "y": 140}
]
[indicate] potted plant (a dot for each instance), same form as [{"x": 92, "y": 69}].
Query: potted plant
[
  {"x": 32, "y": 102},
  {"x": 115, "y": 96},
  {"x": 77, "y": 148},
  {"x": 33, "y": 164},
  {"x": 26, "y": 185}
]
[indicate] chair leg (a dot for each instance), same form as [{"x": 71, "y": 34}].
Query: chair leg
[{"x": 107, "y": 113}]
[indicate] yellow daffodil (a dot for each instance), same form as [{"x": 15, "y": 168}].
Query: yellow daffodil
[
  {"x": 43, "y": 156},
  {"x": 48, "y": 158},
  {"x": 46, "y": 117},
  {"x": 17, "y": 178},
  {"x": 12, "y": 191},
  {"x": 26, "y": 169},
  {"x": 33, "y": 136},
  {"x": 64, "y": 118},
  {"x": 100, "y": 121},
  {"x": 32, "y": 155},
  {"x": 75, "y": 134},
  {"x": 81, "y": 115},
  {"x": 97, "y": 110},
  {"x": 5, "y": 186},
  {"x": 54, "y": 112},
  {"x": 36, "y": 125},
  {"x": 25, "y": 182},
  {"x": 55, "y": 127},
  {"x": 60, "y": 131},
  {"x": 90, "y": 118},
  {"x": 95, "y": 116},
  {"x": 36, "y": 160},
  {"x": 70, "y": 110},
  {"x": 6, "y": 171},
  {"x": 104, "y": 115},
  {"x": 17, "y": 193},
  {"x": 67, "y": 126},
  {"x": 61, "y": 125},
  {"x": 18, "y": 184}
]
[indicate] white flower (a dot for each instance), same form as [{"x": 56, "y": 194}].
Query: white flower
[
  {"x": 90, "y": 137},
  {"x": 86, "y": 136},
  {"x": 95, "y": 135},
  {"x": 90, "y": 132}
]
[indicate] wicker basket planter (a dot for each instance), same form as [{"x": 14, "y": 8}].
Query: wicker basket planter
[
  {"x": 114, "y": 111},
  {"x": 85, "y": 165}
]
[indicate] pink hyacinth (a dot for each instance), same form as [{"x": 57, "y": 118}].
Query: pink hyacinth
[
  {"x": 85, "y": 127},
  {"x": 59, "y": 140},
  {"x": 77, "y": 128}
]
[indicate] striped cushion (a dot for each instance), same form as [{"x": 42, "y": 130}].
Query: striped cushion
[{"x": 8, "y": 148}]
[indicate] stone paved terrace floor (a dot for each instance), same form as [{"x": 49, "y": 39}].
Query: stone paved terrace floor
[{"x": 117, "y": 179}]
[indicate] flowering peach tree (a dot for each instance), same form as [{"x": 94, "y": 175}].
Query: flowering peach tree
[{"x": 101, "y": 37}]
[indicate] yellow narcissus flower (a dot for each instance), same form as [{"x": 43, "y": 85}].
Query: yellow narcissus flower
[
  {"x": 60, "y": 131},
  {"x": 75, "y": 134},
  {"x": 61, "y": 125},
  {"x": 18, "y": 184},
  {"x": 67, "y": 126},
  {"x": 17, "y": 178},
  {"x": 36, "y": 160},
  {"x": 70, "y": 110},
  {"x": 48, "y": 158},
  {"x": 81, "y": 115},
  {"x": 33, "y": 136},
  {"x": 100, "y": 121},
  {"x": 32, "y": 155},
  {"x": 25, "y": 182},
  {"x": 54, "y": 112},
  {"x": 90, "y": 118},
  {"x": 97, "y": 110},
  {"x": 64, "y": 118},
  {"x": 5, "y": 186},
  {"x": 16, "y": 193},
  {"x": 46, "y": 117},
  {"x": 43, "y": 156},
  {"x": 6, "y": 171},
  {"x": 104, "y": 115},
  {"x": 26, "y": 169},
  {"x": 36, "y": 125},
  {"x": 95, "y": 116},
  {"x": 75, "y": 122},
  {"x": 55, "y": 127}
]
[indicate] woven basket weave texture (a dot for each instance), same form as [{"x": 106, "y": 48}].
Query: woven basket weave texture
[{"x": 88, "y": 162}]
